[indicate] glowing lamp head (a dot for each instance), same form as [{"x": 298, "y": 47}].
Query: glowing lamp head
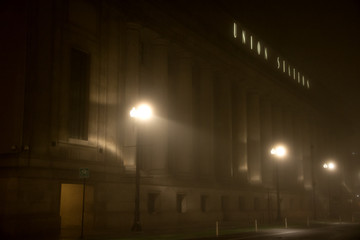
[
  {"x": 279, "y": 151},
  {"x": 329, "y": 165},
  {"x": 142, "y": 112}
]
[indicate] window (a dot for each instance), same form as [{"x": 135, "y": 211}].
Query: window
[
  {"x": 181, "y": 203},
  {"x": 302, "y": 207},
  {"x": 256, "y": 204},
  {"x": 224, "y": 203},
  {"x": 292, "y": 203},
  {"x": 203, "y": 203},
  {"x": 79, "y": 94},
  {"x": 241, "y": 203},
  {"x": 153, "y": 203}
]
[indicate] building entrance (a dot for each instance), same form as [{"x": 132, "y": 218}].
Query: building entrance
[{"x": 71, "y": 207}]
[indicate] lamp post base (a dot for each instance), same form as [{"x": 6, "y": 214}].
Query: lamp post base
[{"x": 136, "y": 227}]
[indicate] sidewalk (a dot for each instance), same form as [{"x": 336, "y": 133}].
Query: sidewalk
[{"x": 192, "y": 232}]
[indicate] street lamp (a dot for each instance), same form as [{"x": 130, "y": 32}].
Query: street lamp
[
  {"x": 329, "y": 166},
  {"x": 279, "y": 152},
  {"x": 142, "y": 113}
]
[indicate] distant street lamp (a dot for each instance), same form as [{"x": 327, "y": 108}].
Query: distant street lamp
[
  {"x": 141, "y": 113},
  {"x": 329, "y": 166},
  {"x": 278, "y": 152}
]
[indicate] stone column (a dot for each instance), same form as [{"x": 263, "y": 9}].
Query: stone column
[
  {"x": 277, "y": 124},
  {"x": 306, "y": 153},
  {"x": 240, "y": 161},
  {"x": 159, "y": 96},
  {"x": 182, "y": 116},
  {"x": 266, "y": 142},
  {"x": 132, "y": 70},
  {"x": 253, "y": 138},
  {"x": 222, "y": 129},
  {"x": 111, "y": 68},
  {"x": 289, "y": 164},
  {"x": 288, "y": 128},
  {"x": 314, "y": 151},
  {"x": 206, "y": 122},
  {"x": 298, "y": 149}
]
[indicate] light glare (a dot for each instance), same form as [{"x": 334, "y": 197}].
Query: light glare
[
  {"x": 143, "y": 112},
  {"x": 329, "y": 165},
  {"x": 279, "y": 151}
]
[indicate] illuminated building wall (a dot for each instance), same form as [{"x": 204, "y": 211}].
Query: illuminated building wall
[
  {"x": 253, "y": 139},
  {"x": 206, "y": 151}
]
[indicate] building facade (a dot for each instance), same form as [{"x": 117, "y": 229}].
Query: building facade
[{"x": 221, "y": 100}]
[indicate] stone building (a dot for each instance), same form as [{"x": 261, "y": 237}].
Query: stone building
[{"x": 221, "y": 100}]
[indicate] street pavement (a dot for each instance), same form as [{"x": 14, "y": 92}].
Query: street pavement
[
  {"x": 317, "y": 231},
  {"x": 339, "y": 231}
]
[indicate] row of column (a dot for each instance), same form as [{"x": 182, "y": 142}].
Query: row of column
[{"x": 207, "y": 125}]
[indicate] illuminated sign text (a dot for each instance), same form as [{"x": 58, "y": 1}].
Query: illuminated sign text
[{"x": 250, "y": 42}]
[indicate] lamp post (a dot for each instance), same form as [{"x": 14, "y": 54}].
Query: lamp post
[
  {"x": 140, "y": 113},
  {"x": 278, "y": 152},
  {"x": 329, "y": 166},
  {"x": 313, "y": 180}
]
